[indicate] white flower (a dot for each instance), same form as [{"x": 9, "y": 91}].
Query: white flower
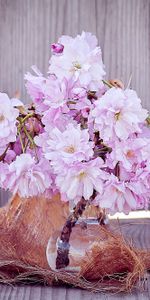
[
  {"x": 118, "y": 113},
  {"x": 28, "y": 178},
  {"x": 8, "y": 115},
  {"x": 81, "y": 179},
  {"x": 69, "y": 146},
  {"x": 81, "y": 60}
]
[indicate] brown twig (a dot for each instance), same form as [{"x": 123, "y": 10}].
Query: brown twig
[{"x": 62, "y": 259}]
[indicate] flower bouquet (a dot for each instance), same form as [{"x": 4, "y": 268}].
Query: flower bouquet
[{"x": 79, "y": 151}]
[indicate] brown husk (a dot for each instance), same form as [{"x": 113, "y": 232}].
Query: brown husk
[{"x": 112, "y": 264}]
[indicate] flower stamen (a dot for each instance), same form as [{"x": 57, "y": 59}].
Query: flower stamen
[
  {"x": 70, "y": 149},
  {"x": 2, "y": 118},
  {"x": 82, "y": 175},
  {"x": 117, "y": 115},
  {"x": 77, "y": 65}
]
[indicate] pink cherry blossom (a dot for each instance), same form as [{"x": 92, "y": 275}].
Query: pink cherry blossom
[
  {"x": 54, "y": 117},
  {"x": 142, "y": 180},
  {"x": 17, "y": 146},
  {"x": 130, "y": 153},
  {"x": 47, "y": 92},
  {"x": 81, "y": 179},
  {"x": 8, "y": 115},
  {"x": 28, "y": 178},
  {"x": 35, "y": 85},
  {"x": 69, "y": 146},
  {"x": 118, "y": 114},
  {"x": 10, "y": 156},
  {"x": 55, "y": 92},
  {"x": 117, "y": 196},
  {"x": 79, "y": 138},
  {"x": 81, "y": 60}
]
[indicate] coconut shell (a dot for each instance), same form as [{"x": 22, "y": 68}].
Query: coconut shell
[{"x": 26, "y": 225}]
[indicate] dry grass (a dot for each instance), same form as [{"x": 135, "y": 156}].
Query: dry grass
[{"x": 112, "y": 265}]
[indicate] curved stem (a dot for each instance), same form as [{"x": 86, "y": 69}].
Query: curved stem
[
  {"x": 63, "y": 245},
  {"x": 107, "y": 83},
  {"x": 62, "y": 259}
]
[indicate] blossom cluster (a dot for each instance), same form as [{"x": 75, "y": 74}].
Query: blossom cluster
[{"x": 80, "y": 137}]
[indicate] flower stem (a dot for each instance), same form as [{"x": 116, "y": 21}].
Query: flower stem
[
  {"x": 27, "y": 117},
  {"x": 107, "y": 83},
  {"x": 31, "y": 141},
  {"x": 22, "y": 120},
  {"x": 62, "y": 259},
  {"x": 28, "y": 135},
  {"x": 4, "y": 153},
  {"x": 148, "y": 120},
  {"x": 21, "y": 142}
]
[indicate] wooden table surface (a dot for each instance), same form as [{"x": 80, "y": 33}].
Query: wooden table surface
[{"x": 136, "y": 230}]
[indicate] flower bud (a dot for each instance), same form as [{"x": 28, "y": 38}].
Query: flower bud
[{"x": 57, "y": 48}]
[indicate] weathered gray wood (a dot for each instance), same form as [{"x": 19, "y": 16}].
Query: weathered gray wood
[
  {"x": 45, "y": 293},
  {"x": 28, "y": 27},
  {"x": 137, "y": 231}
]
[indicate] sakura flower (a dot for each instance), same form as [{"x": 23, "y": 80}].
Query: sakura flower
[
  {"x": 142, "y": 180},
  {"x": 10, "y": 156},
  {"x": 129, "y": 153},
  {"x": 8, "y": 115},
  {"x": 118, "y": 113},
  {"x": 28, "y": 178},
  {"x": 69, "y": 146},
  {"x": 145, "y": 131},
  {"x": 117, "y": 196},
  {"x": 54, "y": 117},
  {"x": 81, "y": 180},
  {"x": 35, "y": 85},
  {"x": 52, "y": 190},
  {"x": 46, "y": 92},
  {"x": 17, "y": 146},
  {"x": 41, "y": 140},
  {"x": 81, "y": 60},
  {"x": 143, "y": 201},
  {"x": 79, "y": 139},
  {"x": 55, "y": 92},
  {"x": 140, "y": 186}
]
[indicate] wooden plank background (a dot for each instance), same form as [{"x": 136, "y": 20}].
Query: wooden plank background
[{"x": 27, "y": 27}]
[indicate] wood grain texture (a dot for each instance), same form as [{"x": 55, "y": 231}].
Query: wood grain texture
[
  {"x": 28, "y": 27},
  {"x": 137, "y": 231}
]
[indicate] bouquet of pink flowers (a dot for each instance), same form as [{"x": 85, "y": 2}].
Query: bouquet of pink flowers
[{"x": 81, "y": 136}]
